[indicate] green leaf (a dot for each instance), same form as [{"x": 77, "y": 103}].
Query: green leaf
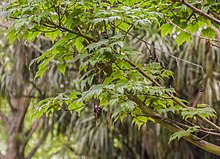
[
  {"x": 12, "y": 35},
  {"x": 182, "y": 37},
  {"x": 128, "y": 105},
  {"x": 112, "y": 1},
  {"x": 79, "y": 44},
  {"x": 117, "y": 43},
  {"x": 190, "y": 112},
  {"x": 62, "y": 67},
  {"x": 42, "y": 68},
  {"x": 122, "y": 116},
  {"x": 40, "y": 71},
  {"x": 209, "y": 33},
  {"x": 178, "y": 135},
  {"x": 167, "y": 74},
  {"x": 124, "y": 26},
  {"x": 21, "y": 23},
  {"x": 75, "y": 105},
  {"x": 93, "y": 92},
  {"x": 53, "y": 35},
  {"x": 103, "y": 100},
  {"x": 166, "y": 29},
  {"x": 142, "y": 22},
  {"x": 192, "y": 28},
  {"x": 136, "y": 111},
  {"x": 79, "y": 111},
  {"x": 98, "y": 20},
  {"x": 138, "y": 122},
  {"x": 74, "y": 94},
  {"x": 113, "y": 101},
  {"x": 142, "y": 118},
  {"x": 96, "y": 45},
  {"x": 193, "y": 129},
  {"x": 202, "y": 105},
  {"x": 31, "y": 36}
]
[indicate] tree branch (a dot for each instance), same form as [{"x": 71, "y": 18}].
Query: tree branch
[
  {"x": 199, "y": 11},
  {"x": 62, "y": 28},
  {"x": 37, "y": 88},
  {"x": 200, "y": 130},
  {"x": 169, "y": 54},
  {"x": 216, "y": 15},
  {"x": 175, "y": 99},
  {"x": 25, "y": 105},
  {"x": 29, "y": 134},
  {"x": 167, "y": 123},
  {"x": 198, "y": 36},
  {"x": 3, "y": 117},
  {"x": 40, "y": 142}
]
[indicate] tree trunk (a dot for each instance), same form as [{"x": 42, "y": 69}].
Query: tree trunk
[{"x": 15, "y": 124}]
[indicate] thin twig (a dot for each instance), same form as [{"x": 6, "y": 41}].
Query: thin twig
[
  {"x": 37, "y": 88},
  {"x": 128, "y": 31},
  {"x": 62, "y": 28},
  {"x": 201, "y": 130},
  {"x": 30, "y": 44},
  {"x": 171, "y": 55},
  {"x": 70, "y": 109},
  {"x": 215, "y": 14},
  {"x": 205, "y": 136}
]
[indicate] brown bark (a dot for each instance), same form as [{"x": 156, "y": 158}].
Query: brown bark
[
  {"x": 170, "y": 95},
  {"x": 15, "y": 124},
  {"x": 1, "y": 156},
  {"x": 170, "y": 125},
  {"x": 17, "y": 138}
]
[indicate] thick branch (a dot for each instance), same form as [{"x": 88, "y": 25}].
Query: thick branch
[
  {"x": 25, "y": 106},
  {"x": 175, "y": 99},
  {"x": 167, "y": 123},
  {"x": 200, "y": 12}
]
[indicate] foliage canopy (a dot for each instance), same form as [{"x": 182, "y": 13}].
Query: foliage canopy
[{"x": 93, "y": 38}]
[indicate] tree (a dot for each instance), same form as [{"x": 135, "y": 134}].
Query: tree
[
  {"x": 19, "y": 93},
  {"x": 92, "y": 36}
]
